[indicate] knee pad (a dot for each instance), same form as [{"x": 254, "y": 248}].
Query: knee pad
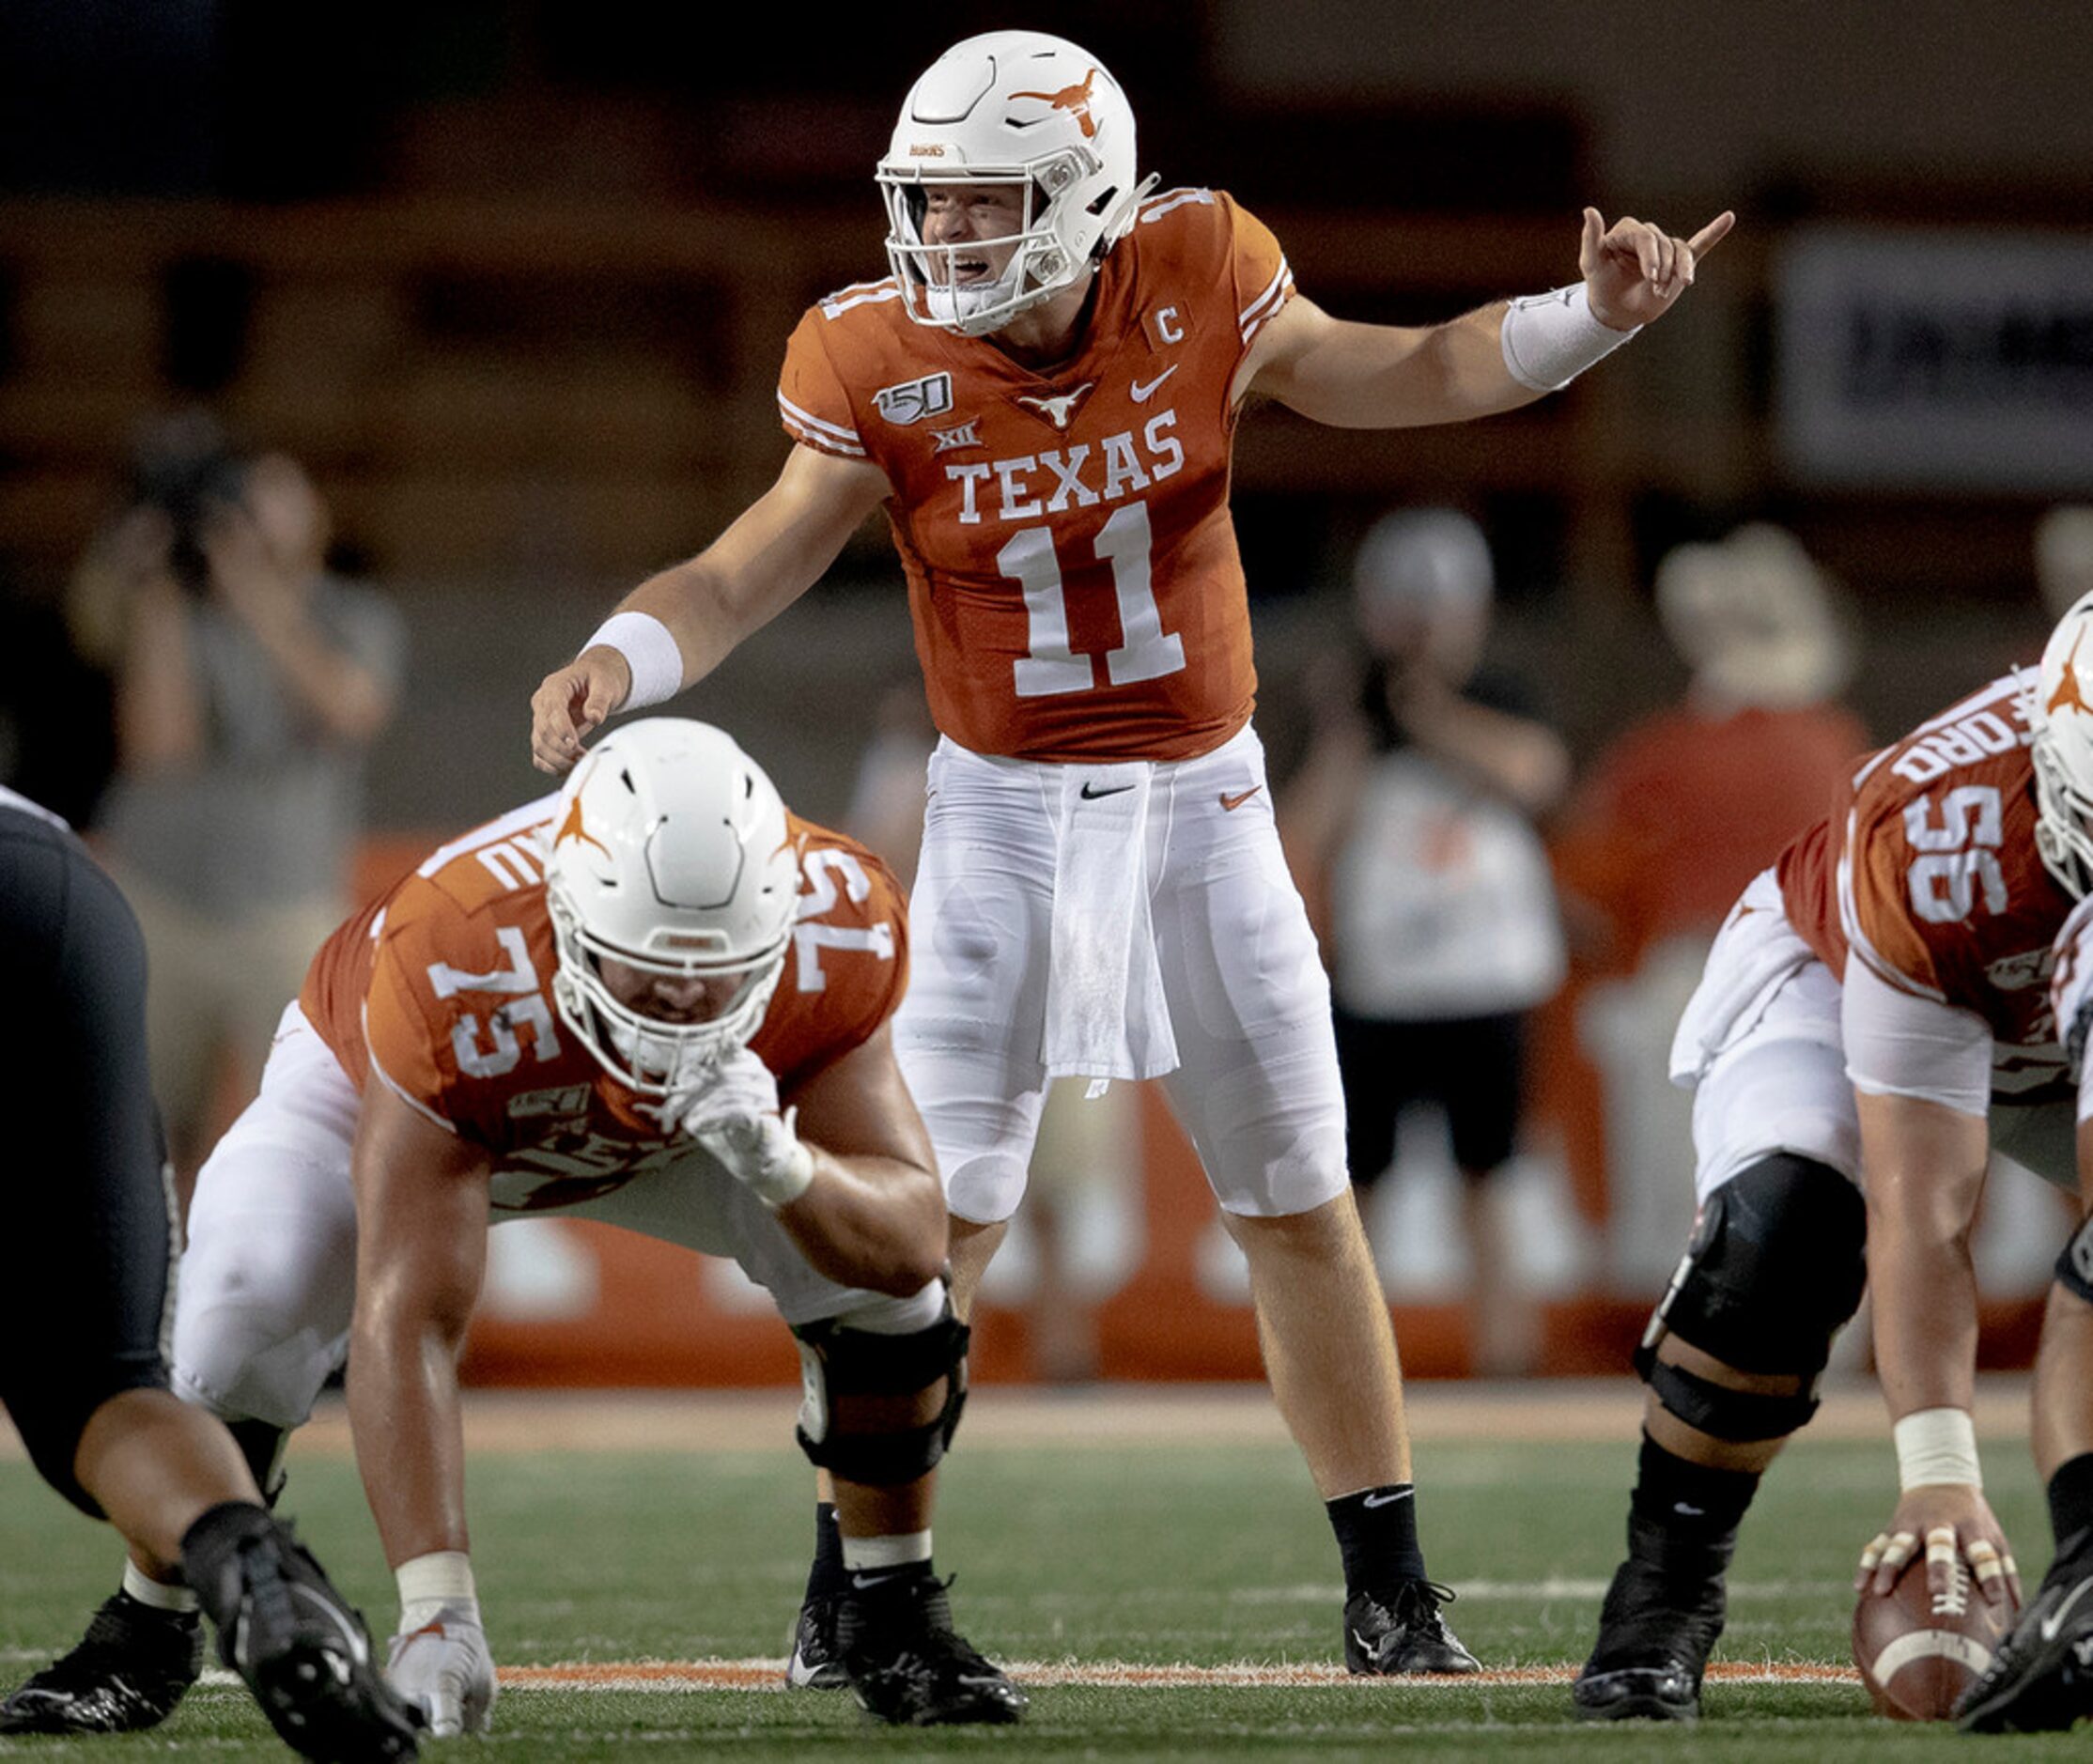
[
  {"x": 1776, "y": 1268},
  {"x": 837, "y": 1361}
]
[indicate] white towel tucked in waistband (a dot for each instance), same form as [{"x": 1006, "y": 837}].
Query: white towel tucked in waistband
[
  {"x": 1755, "y": 953},
  {"x": 1106, "y": 1016}
]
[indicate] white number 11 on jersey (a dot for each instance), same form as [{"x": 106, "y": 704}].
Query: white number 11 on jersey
[{"x": 1146, "y": 651}]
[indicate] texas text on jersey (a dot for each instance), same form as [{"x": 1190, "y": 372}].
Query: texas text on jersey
[
  {"x": 1073, "y": 572},
  {"x": 443, "y": 988},
  {"x": 1928, "y": 871}
]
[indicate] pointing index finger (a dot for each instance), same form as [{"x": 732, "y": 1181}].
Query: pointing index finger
[{"x": 1702, "y": 242}]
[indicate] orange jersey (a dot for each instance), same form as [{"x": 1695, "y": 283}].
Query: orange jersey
[
  {"x": 1683, "y": 810},
  {"x": 1072, "y": 573},
  {"x": 443, "y": 987},
  {"x": 1928, "y": 872}
]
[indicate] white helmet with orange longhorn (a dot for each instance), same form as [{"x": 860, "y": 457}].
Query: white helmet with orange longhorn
[
  {"x": 2060, "y": 713},
  {"x": 672, "y": 855},
  {"x": 1010, "y": 107}
]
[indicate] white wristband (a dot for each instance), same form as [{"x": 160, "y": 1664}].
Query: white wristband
[
  {"x": 441, "y": 1577},
  {"x": 1936, "y": 1445},
  {"x": 1549, "y": 339},
  {"x": 649, "y": 648}
]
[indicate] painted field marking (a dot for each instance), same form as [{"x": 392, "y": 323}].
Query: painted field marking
[{"x": 769, "y": 1674}]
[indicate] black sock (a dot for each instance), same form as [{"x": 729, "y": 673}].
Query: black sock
[
  {"x": 1689, "y": 1501},
  {"x": 826, "y": 1578},
  {"x": 1377, "y": 1537},
  {"x": 2072, "y": 1509}
]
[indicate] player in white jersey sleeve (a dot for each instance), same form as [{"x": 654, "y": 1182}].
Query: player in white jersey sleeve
[{"x": 2041, "y": 1678}]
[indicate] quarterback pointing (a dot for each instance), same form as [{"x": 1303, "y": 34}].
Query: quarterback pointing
[
  {"x": 1043, "y": 396},
  {"x": 657, "y": 999}
]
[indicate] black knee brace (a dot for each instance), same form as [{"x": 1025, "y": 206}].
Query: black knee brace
[
  {"x": 1776, "y": 1268},
  {"x": 2074, "y": 1267},
  {"x": 838, "y": 1361}
]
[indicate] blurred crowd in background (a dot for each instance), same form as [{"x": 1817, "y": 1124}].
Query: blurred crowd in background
[{"x": 286, "y": 525}]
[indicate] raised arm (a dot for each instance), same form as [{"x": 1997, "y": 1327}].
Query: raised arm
[
  {"x": 759, "y": 566},
  {"x": 1361, "y": 376}
]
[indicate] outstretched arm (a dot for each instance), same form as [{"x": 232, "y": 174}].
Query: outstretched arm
[
  {"x": 759, "y": 566},
  {"x": 421, "y": 1253},
  {"x": 1361, "y": 376},
  {"x": 1925, "y": 1166}
]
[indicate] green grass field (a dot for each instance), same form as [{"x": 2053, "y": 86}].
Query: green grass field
[{"x": 1071, "y": 1558}]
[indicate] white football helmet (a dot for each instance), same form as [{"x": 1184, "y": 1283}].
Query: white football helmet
[
  {"x": 1010, "y": 107},
  {"x": 669, "y": 853},
  {"x": 2060, "y": 712}
]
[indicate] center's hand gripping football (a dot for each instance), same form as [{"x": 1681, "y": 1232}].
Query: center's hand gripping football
[
  {"x": 444, "y": 1666},
  {"x": 1942, "y": 1521},
  {"x": 736, "y": 1118}
]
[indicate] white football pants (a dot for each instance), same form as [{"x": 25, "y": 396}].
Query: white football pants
[
  {"x": 268, "y": 1282},
  {"x": 1256, "y": 1087}
]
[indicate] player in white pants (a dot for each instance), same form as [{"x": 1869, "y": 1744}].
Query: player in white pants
[{"x": 1877, "y": 1005}]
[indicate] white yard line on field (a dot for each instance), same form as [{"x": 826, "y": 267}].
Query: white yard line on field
[{"x": 769, "y": 1674}]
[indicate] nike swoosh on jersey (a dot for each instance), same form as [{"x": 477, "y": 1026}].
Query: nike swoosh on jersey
[
  {"x": 1237, "y": 801},
  {"x": 1090, "y": 793},
  {"x": 1144, "y": 390}
]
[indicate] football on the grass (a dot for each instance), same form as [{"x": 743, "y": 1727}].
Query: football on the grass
[{"x": 1917, "y": 1654}]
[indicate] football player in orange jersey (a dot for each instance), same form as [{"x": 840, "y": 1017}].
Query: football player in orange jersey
[
  {"x": 2041, "y": 1679},
  {"x": 1877, "y": 1006},
  {"x": 658, "y": 999},
  {"x": 1044, "y": 397}
]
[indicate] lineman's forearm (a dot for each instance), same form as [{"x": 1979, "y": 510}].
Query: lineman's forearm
[
  {"x": 404, "y": 1417},
  {"x": 1924, "y": 1308}
]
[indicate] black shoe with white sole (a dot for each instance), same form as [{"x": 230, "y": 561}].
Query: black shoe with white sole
[
  {"x": 1399, "y": 1631},
  {"x": 907, "y": 1664},
  {"x": 127, "y": 1673},
  {"x": 1662, "y": 1617},
  {"x": 817, "y": 1664}
]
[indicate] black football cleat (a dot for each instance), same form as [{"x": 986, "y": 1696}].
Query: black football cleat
[
  {"x": 816, "y": 1664},
  {"x": 906, "y": 1663},
  {"x": 1399, "y": 1632},
  {"x": 127, "y": 1672},
  {"x": 299, "y": 1646},
  {"x": 2040, "y": 1681},
  {"x": 1661, "y": 1619}
]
